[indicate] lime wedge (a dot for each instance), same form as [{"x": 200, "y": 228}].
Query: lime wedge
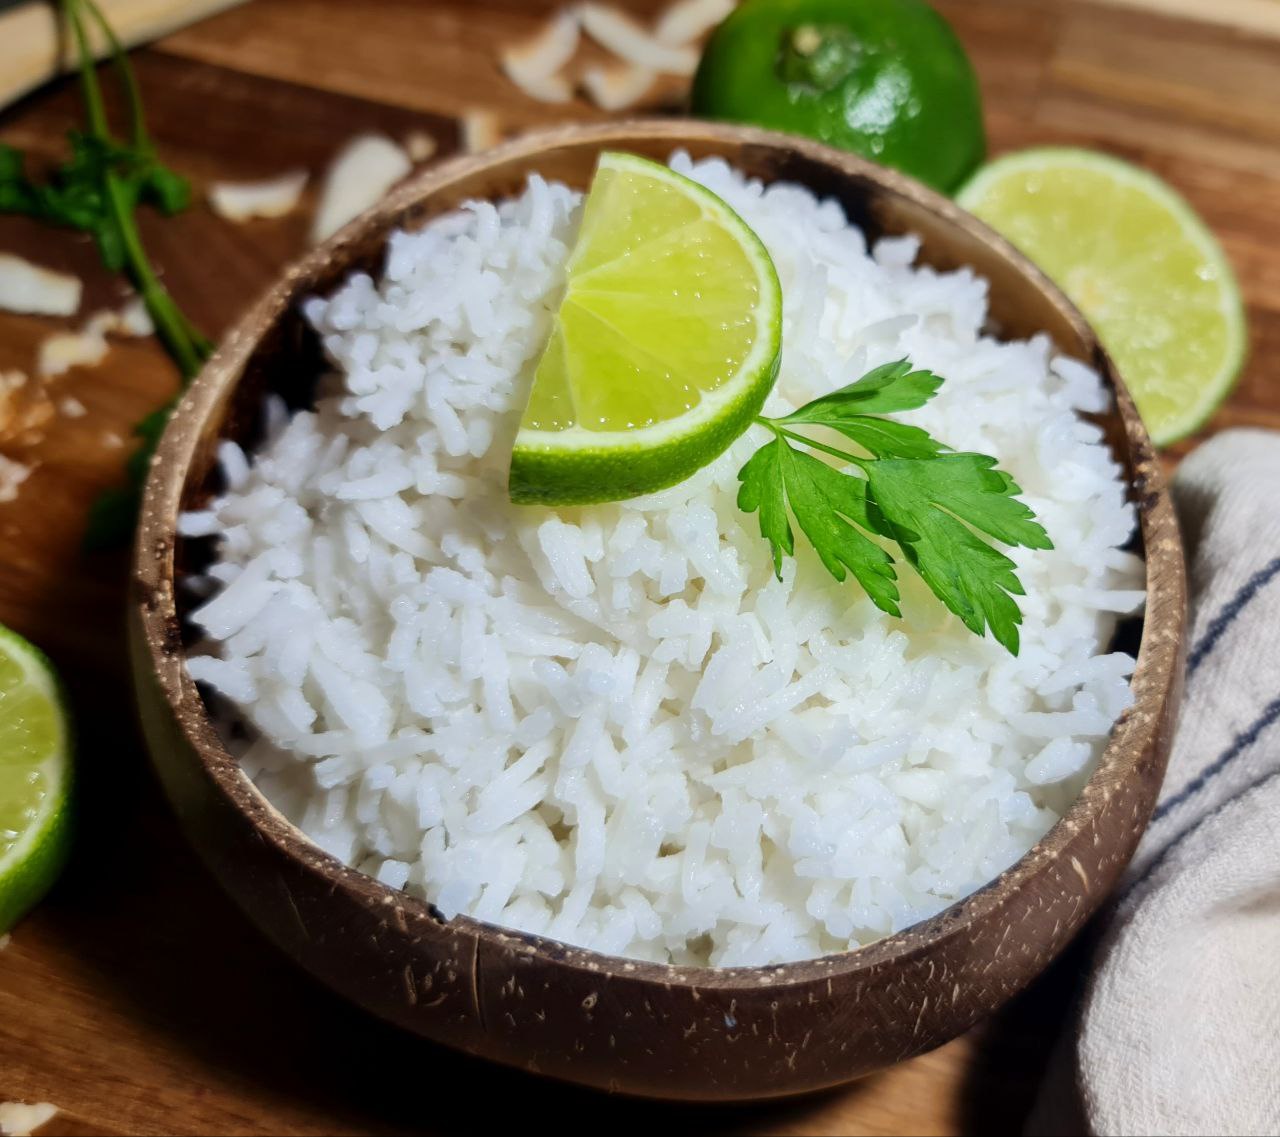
[
  {"x": 35, "y": 777},
  {"x": 1138, "y": 262},
  {"x": 664, "y": 349}
]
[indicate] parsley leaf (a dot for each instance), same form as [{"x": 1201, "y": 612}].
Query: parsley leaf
[
  {"x": 824, "y": 502},
  {"x": 77, "y": 197},
  {"x": 764, "y": 488},
  {"x": 881, "y": 391},
  {"x": 936, "y": 505},
  {"x": 893, "y": 387},
  {"x": 923, "y": 506}
]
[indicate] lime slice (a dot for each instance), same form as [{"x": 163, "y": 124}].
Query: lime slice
[
  {"x": 664, "y": 349},
  {"x": 35, "y": 777},
  {"x": 1138, "y": 262}
]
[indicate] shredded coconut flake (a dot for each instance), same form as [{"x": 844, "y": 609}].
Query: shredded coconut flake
[
  {"x": 17, "y": 1119},
  {"x": 618, "y": 87},
  {"x": 480, "y": 131},
  {"x": 243, "y": 201},
  {"x": 28, "y": 288},
  {"x": 360, "y": 176},
  {"x": 88, "y": 347},
  {"x": 613, "y": 29},
  {"x": 535, "y": 66},
  {"x": 420, "y": 146},
  {"x": 687, "y": 21},
  {"x": 12, "y": 475}
]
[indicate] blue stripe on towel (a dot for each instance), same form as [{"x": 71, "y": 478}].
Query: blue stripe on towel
[
  {"x": 1163, "y": 855},
  {"x": 1241, "y": 743},
  {"x": 1227, "y": 616}
]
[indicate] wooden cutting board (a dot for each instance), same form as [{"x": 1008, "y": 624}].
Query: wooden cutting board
[{"x": 136, "y": 999}]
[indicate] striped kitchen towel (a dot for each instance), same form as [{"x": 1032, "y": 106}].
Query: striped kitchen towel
[{"x": 1179, "y": 1025}]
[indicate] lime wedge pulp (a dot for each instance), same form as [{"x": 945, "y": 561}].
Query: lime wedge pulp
[
  {"x": 35, "y": 777},
  {"x": 1140, "y": 264},
  {"x": 664, "y": 348}
]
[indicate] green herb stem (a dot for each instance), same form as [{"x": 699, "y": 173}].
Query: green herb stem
[
  {"x": 171, "y": 325},
  {"x": 94, "y": 107},
  {"x": 783, "y": 432},
  {"x": 133, "y": 93}
]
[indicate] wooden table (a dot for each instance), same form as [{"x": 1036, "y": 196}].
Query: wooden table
[{"x": 136, "y": 999}]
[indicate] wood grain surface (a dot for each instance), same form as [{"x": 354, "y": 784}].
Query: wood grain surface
[{"x": 137, "y": 1000}]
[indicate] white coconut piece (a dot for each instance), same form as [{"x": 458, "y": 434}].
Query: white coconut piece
[
  {"x": 71, "y": 407},
  {"x": 12, "y": 475},
  {"x": 17, "y": 1119},
  {"x": 687, "y": 21},
  {"x": 33, "y": 290},
  {"x": 480, "y": 131},
  {"x": 619, "y": 87},
  {"x": 361, "y": 174},
  {"x": 133, "y": 320},
  {"x": 60, "y": 353},
  {"x": 534, "y": 65},
  {"x": 88, "y": 347},
  {"x": 243, "y": 201},
  {"x": 613, "y": 29},
  {"x": 420, "y": 146}
]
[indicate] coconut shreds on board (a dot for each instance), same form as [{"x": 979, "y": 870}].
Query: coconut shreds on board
[
  {"x": 358, "y": 178},
  {"x": 480, "y": 131},
  {"x": 613, "y": 29},
  {"x": 25, "y": 408},
  {"x": 420, "y": 146},
  {"x": 18, "y": 1119},
  {"x": 5, "y": 941},
  {"x": 535, "y": 65},
  {"x": 12, "y": 475},
  {"x": 618, "y": 87},
  {"x": 88, "y": 347},
  {"x": 244, "y": 201},
  {"x": 687, "y": 21},
  {"x": 614, "y": 726},
  {"x": 33, "y": 290},
  {"x": 71, "y": 407},
  {"x": 61, "y": 352}
]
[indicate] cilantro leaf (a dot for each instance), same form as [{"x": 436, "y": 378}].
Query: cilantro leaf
[
  {"x": 879, "y": 436},
  {"x": 824, "y": 502},
  {"x": 936, "y": 505},
  {"x": 77, "y": 195},
  {"x": 892, "y": 387},
  {"x": 764, "y": 489},
  {"x": 923, "y": 506},
  {"x": 966, "y": 485},
  {"x": 886, "y": 389}
]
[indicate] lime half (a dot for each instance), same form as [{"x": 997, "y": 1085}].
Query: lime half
[
  {"x": 1138, "y": 262},
  {"x": 35, "y": 777},
  {"x": 664, "y": 348}
]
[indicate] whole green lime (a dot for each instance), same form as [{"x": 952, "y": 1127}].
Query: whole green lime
[{"x": 886, "y": 79}]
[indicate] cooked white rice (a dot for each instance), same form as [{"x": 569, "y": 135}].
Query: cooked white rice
[{"x": 611, "y": 725}]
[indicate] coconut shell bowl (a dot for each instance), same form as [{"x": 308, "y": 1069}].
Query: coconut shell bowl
[{"x": 641, "y": 1028}]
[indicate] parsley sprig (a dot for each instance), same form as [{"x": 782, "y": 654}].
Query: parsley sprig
[
  {"x": 98, "y": 191},
  {"x": 908, "y": 488}
]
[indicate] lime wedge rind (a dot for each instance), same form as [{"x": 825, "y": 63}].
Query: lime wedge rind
[
  {"x": 1199, "y": 398},
  {"x": 33, "y": 862},
  {"x": 577, "y": 464}
]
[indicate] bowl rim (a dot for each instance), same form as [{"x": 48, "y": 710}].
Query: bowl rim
[{"x": 1155, "y": 681}]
